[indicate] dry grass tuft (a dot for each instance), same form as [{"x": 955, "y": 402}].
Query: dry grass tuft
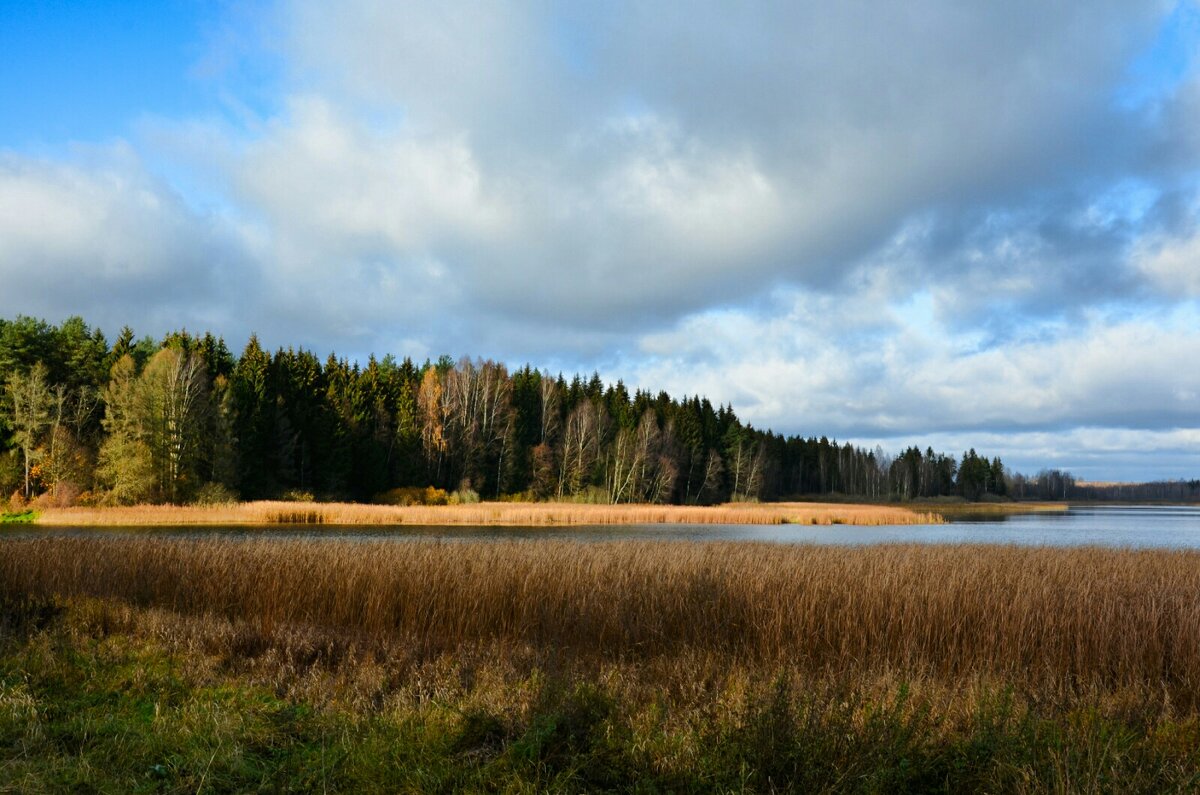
[
  {"x": 1053, "y": 617},
  {"x": 487, "y": 513}
]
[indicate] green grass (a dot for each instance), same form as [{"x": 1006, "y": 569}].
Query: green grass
[
  {"x": 18, "y": 517},
  {"x": 86, "y": 707}
]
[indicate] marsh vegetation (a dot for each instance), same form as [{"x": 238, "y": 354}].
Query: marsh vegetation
[
  {"x": 524, "y": 514},
  {"x": 1088, "y": 616},
  {"x": 147, "y": 663}
]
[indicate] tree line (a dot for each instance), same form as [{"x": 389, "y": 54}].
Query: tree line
[
  {"x": 1054, "y": 484},
  {"x": 183, "y": 419}
]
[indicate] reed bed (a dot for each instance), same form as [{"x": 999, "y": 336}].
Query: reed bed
[
  {"x": 1068, "y": 616},
  {"x": 487, "y": 513},
  {"x": 956, "y": 509}
]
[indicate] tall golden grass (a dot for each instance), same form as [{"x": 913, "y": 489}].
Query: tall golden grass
[
  {"x": 956, "y": 509},
  {"x": 487, "y": 513},
  {"x": 1089, "y": 617}
]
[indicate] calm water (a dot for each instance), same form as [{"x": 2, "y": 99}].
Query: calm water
[{"x": 1142, "y": 526}]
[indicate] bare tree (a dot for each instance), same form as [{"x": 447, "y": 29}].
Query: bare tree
[
  {"x": 549, "y": 417},
  {"x": 623, "y": 465},
  {"x": 745, "y": 466},
  {"x": 637, "y": 467},
  {"x": 714, "y": 468},
  {"x": 478, "y": 396},
  {"x": 581, "y": 446}
]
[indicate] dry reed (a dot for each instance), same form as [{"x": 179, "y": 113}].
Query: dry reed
[
  {"x": 487, "y": 513},
  {"x": 1080, "y": 617}
]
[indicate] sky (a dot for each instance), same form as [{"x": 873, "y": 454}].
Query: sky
[{"x": 933, "y": 222}]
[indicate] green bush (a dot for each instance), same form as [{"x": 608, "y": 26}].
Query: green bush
[
  {"x": 215, "y": 494},
  {"x": 464, "y": 497}
]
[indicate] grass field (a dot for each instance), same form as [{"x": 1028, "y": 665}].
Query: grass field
[
  {"x": 1104, "y": 617},
  {"x": 488, "y": 513},
  {"x": 151, "y": 664}
]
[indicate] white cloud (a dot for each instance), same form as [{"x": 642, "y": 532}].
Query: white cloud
[
  {"x": 101, "y": 237},
  {"x": 804, "y": 369},
  {"x": 1173, "y": 264},
  {"x": 651, "y": 163},
  {"x": 843, "y": 218}
]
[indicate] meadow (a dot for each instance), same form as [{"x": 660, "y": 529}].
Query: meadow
[{"x": 531, "y": 666}]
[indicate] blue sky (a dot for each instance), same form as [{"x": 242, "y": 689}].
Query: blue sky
[
  {"x": 88, "y": 71},
  {"x": 892, "y": 223}
]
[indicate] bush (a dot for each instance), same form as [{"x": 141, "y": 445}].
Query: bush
[
  {"x": 414, "y": 495},
  {"x": 464, "y": 497},
  {"x": 592, "y": 495},
  {"x": 65, "y": 494},
  {"x": 90, "y": 499},
  {"x": 214, "y": 494},
  {"x": 296, "y": 495}
]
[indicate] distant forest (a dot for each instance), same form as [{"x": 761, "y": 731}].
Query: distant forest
[{"x": 184, "y": 419}]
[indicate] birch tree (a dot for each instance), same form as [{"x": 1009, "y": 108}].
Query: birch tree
[
  {"x": 155, "y": 423},
  {"x": 581, "y": 445},
  {"x": 176, "y": 397},
  {"x": 30, "y": 401}
]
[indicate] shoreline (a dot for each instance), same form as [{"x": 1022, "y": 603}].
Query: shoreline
[{"x": 541, "y": 514}]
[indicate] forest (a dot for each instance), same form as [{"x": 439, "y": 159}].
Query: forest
[{"x": 184, "y": 419}]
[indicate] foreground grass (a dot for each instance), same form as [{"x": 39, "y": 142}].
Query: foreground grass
[
  {"x": 502, "y": 514},
  {"x": 179, "y": 665},
  {"x": 99, "y": 696},
  {"x": 1097, "y": 617}
]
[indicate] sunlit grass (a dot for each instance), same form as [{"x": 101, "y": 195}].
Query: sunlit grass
[{"x": 487, "y": 513}]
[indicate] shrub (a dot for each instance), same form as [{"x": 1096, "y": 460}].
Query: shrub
[
  {"x": 216, "y": 494},
  {"x": 414, "y": 495},
  {"x": 463, "y": 497},
  {"x": 64, "y": 494},
  {"x": 592, "y": 495},
  {"x": 296, "y": 495},
  {"x": 89, "y": 499}
]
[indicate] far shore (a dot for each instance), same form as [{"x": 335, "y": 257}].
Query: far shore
[{"x": 523, "y": 514}]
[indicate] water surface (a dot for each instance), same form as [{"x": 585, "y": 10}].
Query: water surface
[{"x": 1115, "y": 526}]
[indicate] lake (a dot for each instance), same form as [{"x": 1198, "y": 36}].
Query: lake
[{"x": 1112, "y": 526}]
